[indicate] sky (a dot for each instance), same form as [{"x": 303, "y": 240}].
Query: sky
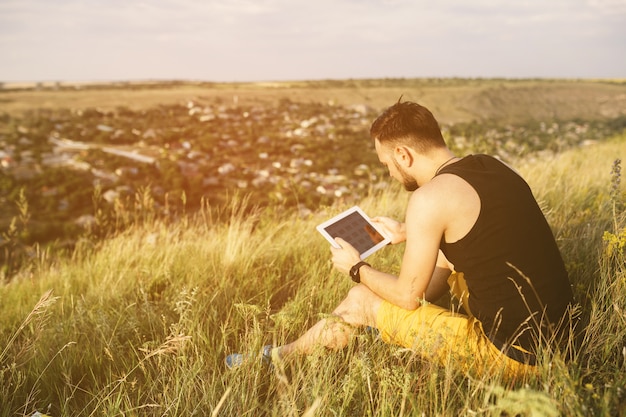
[{"x": 282, "y": 40}]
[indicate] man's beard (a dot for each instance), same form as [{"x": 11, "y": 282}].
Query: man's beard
[{"x": 409, "y": 183}]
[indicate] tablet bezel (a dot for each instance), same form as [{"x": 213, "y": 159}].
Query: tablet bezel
[{"x": 356, "y": 209}]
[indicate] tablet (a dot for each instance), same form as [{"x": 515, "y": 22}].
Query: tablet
[{"x": 356, "y": 228}]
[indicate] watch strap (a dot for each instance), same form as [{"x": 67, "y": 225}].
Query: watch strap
[{"x": 355, "y": 271}]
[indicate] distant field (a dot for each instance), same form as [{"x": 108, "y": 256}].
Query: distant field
[{"x": 452, "y": 100}]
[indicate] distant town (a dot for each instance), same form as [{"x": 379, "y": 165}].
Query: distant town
[
  {"x": 76, "y": 168},
  {"x": 296, "y": 155}
]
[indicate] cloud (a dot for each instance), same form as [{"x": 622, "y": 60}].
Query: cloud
[
  {"x": 611, "y": 7},
  {"x": 277, "y": 39}
]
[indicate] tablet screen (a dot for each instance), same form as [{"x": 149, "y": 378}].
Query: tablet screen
[{"x": 354, "y": 227}]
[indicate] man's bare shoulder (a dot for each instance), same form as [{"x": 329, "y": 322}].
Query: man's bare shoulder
[
  {"x": 443, "y": 189},
  {"x": 447, "y": 199}
]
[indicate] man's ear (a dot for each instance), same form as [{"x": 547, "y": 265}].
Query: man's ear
[{"x": 403, "y": 156}]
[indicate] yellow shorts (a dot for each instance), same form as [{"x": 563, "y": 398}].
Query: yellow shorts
[{"x": 449, "y": 338}]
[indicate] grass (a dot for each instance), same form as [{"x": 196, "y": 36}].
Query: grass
[{"x": 139, "y": 324}]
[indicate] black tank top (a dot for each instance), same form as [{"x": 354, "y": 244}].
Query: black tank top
[{"x": 515, "y": 275}]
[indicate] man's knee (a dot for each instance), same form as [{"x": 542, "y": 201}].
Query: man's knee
[{"x": 359, "y": 307}]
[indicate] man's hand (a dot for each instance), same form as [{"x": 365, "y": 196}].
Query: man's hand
[
  {"x": 392, "y": 228},
  {"x": 344, "y": 257}
]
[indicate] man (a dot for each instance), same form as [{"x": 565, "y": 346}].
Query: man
[{"x": 472, "y": 226}]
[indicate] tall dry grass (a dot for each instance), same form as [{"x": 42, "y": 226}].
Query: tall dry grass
[{"x": 139, "y": 324}]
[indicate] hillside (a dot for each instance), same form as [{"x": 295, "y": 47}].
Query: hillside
[
  {"x": 138, "y": 324},
  {"x": 451, "y": 100},
  {"x": 150, "y": 229}
]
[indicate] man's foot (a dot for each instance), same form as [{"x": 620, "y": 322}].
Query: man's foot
[{"x": 235, "y": 360}]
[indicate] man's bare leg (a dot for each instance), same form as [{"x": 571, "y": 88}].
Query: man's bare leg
[{"x": 358, "y": 309}]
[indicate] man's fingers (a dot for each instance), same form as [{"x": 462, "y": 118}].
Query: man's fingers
[{"x": 340, "y": 242}]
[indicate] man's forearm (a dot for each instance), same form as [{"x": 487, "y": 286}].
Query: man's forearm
[{"x": 387, "y": 287}]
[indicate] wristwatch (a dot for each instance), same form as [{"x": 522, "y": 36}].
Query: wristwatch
[{"x": 355, "y": 273}]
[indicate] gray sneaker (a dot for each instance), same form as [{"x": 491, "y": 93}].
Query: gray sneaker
[{"x": 235, "y": 360}]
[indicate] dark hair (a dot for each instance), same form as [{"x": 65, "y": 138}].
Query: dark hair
[{"x": 408, "y": 123}]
